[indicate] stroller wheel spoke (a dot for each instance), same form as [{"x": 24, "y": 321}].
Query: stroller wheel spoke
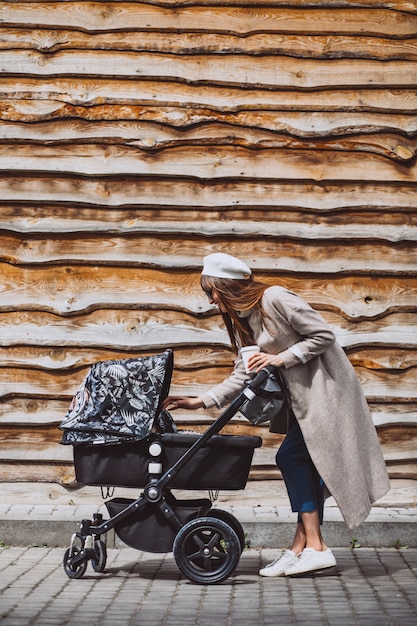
[{"x": 232, "y": 521}]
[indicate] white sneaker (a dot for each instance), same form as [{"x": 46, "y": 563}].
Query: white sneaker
[
  {"x": 278, "y": 567},
  {"x": 311, "y": 560}
]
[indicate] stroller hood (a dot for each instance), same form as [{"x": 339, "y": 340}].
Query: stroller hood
[{"x": 118, "y": 400}]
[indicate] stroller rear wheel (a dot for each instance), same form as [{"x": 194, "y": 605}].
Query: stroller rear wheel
[
  {"x": 207, "y": 550},
  {"x": 99, "y": 560}
]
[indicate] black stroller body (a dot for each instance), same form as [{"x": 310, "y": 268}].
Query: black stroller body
[{"x": 117, "y": 446}]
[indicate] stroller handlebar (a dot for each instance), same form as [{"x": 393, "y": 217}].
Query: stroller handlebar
[{"x": 261, "y": 377}]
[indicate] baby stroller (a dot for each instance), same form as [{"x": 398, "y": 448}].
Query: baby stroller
[{"x": 122, "y": 438}]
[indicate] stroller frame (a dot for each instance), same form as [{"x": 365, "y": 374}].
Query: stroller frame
[{"x": 206, "y": 548}]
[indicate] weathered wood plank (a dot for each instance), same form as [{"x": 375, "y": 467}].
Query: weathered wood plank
[
  {"x": 79, "y": 289},
  {"x": 387, "y": 358},
  {"x": 41, "y": 218},
  {"x": 269, "y": 254},
  {"x": 401, "y": 414},
  {"x": 22, "y": 411},
  {"x": 309, "y": 229},
  {"x": 152, "y": 137},
  {"x": 402, "y": 493},
  {"x": 50, "y": 412},
  {"x": 36, "y": 99},
  {"x": 64, "y": 475},
  {"x": 212, "y": 163},
  {"x": 187, "y": 358},
  {"x": 33, "y": 411},
  {"x": 79, "y": 197},
  {"x": 404, "y": 470},
  {"x": 398, "y": 5},
  {"x": 392, "y": 330},
  {"x": 42, "y": 444},
  {"x": 35, "y": 472},
  {"x": 252, "y": 126},
  {"x": 331, "y": 45},
  {"x": 378, "y": 385},
  {"x": 265, "y": 72},
  {"x": 88, "y": 16}
]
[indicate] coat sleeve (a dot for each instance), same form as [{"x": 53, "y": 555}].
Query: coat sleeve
[
  {"x": 312, "y": 335},
  {"x": 227, "y": 390}
]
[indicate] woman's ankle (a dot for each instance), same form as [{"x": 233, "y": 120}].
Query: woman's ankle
[{"x": 319, "y": 546}]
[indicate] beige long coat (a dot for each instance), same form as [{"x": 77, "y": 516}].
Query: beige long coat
[{"x": 327, "y": 401}]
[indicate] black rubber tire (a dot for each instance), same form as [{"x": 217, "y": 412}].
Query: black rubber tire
[
  {"x": 99, "y": 560},
  {"x": 207, "y": 550},
  {"x": 74, "y": 571},
  {"x": 230, "y": 519}
]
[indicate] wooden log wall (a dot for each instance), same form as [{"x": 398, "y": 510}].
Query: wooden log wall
[{"x": 136, "y": 137}]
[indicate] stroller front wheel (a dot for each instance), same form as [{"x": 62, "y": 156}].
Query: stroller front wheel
[
  {"x": 207, "y": 550},
  {"x": 74, "y": 564}
]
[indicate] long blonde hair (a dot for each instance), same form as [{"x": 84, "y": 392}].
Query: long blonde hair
[{"x": 237, "y": 296}]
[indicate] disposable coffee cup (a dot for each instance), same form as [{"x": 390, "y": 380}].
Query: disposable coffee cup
[{"x": 245, "y": 353}]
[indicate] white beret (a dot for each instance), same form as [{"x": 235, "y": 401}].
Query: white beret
[{"x": 222, "y": 265}]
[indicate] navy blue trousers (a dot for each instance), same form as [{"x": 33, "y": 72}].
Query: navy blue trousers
[{"x": 304, "y": 486}]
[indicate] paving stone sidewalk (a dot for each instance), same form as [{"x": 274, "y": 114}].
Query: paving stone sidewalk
[{"x": 368, "y": 587}]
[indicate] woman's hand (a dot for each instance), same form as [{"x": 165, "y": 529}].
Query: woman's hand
[
  {"x": 182, "y": 402},
  {"x": 258, "y": 361}
]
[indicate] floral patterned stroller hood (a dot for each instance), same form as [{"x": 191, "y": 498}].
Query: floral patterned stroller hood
[{"x": 119, "y": 400}]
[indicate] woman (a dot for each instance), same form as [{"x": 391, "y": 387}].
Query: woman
[{"x": 332, "y": 448}]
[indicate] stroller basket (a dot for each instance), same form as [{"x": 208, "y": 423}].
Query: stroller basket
[
  {"x": 222, "y": 463},
  {"x": 148, "y": 529}
]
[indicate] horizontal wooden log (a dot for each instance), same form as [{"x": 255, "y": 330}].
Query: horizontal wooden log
[
  {"x": 186, "y": 359},
  {"x": 398, "y": 5},
  {"x": 152, "y": 137},
  {"x": 287, "y": 221},
  {"x": 42, "y": 444},
  {"x": 189, "y": 126},
  {"x": 309, "y": 230},
  {"x": 380, "y": 385},
  {"x": 407, "y": 470},
  {"x": 37, "y": 99},
  {"x": 74, "y": 198},
  {"x": 264, "y": 254},
  {"x": 265, "y": 72},
  {"x": 35, "y": 472},
  {"x": 64, "y": 475},
  {"x": 22, "y": 411},
  {"x": 79, "y": 289},
  {"x": 398, "y": 414},
  {"x": 33, "y": 410},
  {"x": 88, "y": 16},
  {"x": 388, "y": 384},
  {"x": 398, "y": 387},
  {"x": 383, "y": 358},
  {"x": 293, "y": 44},
  {"x": 212, "y": 163}
]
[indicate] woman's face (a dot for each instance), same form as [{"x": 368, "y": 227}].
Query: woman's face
[{"x": 214, "y": 299}]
